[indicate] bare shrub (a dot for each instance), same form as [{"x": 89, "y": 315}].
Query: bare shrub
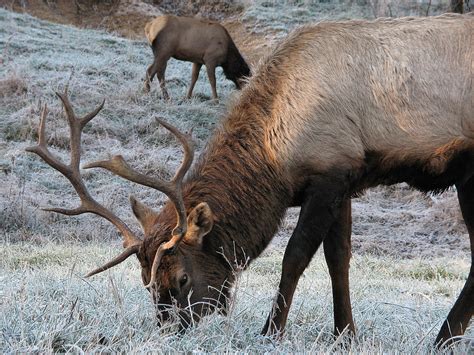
[{"x": 13, "y": 85}]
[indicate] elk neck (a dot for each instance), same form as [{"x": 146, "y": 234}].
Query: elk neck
[
  {"x": 235, "y": 67},
  {"x": 247, "y": 191}
]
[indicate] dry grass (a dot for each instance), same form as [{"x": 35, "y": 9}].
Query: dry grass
[{"x": 399, "y": 299}]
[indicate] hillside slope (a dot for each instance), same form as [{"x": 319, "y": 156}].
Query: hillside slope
[{"x": 39, "y": 58}]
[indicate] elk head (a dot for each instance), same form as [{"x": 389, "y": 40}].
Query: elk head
[{"x": 170, "y": 253}]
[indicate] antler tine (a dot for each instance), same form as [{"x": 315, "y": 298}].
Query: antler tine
[
  {"x": 172, "y": 189},
  {"x": 71, "y": 117},
  {"x": 162, "y": 250},
  {"x": 72, "y": 173},
  {"x": 42, "y": 126},
  {"x": 117, "y": 260},
  {"x": 180, "y": 230},
  {"x": 188, "y": 146},
  {"x": 70, "y": 112},
  {"x": 85, "y": 119},
  {"x": 42, "y": 149},
  {"x": 76, "y": 125}
]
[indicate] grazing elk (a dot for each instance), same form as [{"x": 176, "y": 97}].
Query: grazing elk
[
  {"x": 338, "y": 107},
  {"x": 197, "y": 41}
]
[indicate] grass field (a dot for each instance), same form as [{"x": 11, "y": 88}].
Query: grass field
[
  {"x": 411, "y": 252},
  {"x": 46, "y": 305}
]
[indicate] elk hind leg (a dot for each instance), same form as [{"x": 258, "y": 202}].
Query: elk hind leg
[
  {"x": 337, "y": 251},
  {"x": 463, "y": 310},
  {"x": 151, "y": 72},
  {"x": 158, "y": 68},
  {"x": 160, "y": 73},
  {"x": 149, "y": 77}
]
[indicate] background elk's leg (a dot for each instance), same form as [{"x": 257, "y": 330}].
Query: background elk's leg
[
  {"x": 318, "y": 212},
  {"x": 211, "y": 74},
  {"x": 194, "y": 78},
  {"x": 337, "y": 251},
  {"x": 463, "y": 310},
  {"x": 150, "y": 74},
  {"x": 158, "y": 68},
  {"x": 148, "y": 77},
  {"x": 161, "y": 78}
]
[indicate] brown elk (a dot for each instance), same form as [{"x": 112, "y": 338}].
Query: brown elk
[
  {"x": 338, "y": 107},
  {"x": 197, "y": 41}
]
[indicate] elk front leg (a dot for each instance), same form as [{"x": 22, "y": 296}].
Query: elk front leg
[
  {"x": 194, "y": 78},
  {"x": 319, "y": 210},
  {"x": 337, "y": 251},
  {"x": 211, "y": 74},
  {"x": 463, "y": 310}
]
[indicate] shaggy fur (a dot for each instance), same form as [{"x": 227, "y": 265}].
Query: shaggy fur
[{"x": 337, "y": 107}]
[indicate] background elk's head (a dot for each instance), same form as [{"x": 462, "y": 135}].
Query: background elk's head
[{"x": 175, "y": 269}]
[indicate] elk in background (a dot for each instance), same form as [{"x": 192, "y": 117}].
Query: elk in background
[
  {"x": 197, "y": 41},
  {"x": 337, "y": 108}
]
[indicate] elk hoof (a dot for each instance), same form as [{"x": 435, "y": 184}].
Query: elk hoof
[
  {"x": 146, "y": 88},
  {"x": 270, "y": 330}
]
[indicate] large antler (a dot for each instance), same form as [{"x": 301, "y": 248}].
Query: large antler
[
  {"x": 172, "y": 188},
  {"x": 131, "y": 242}
]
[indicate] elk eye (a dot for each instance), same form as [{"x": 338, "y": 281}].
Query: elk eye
[{"x": 183, "y": 280}]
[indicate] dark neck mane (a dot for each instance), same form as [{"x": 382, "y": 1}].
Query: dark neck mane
[
  {"x": 247, "y": 193},
  {"x": 235, "y": 67}
]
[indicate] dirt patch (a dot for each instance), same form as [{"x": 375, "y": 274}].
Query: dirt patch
[
  {"x": 127, "y": 18},
  {"x": 124, "y": 17}
]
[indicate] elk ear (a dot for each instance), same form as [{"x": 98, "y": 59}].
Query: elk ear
[
  {"x": 145, "y": 215},
  {"x": 200, "y": 222}
]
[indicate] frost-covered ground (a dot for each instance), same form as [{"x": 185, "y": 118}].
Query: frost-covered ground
[
  {"x": 45, "y": 306},
  {"x": 411, "y": 252}
]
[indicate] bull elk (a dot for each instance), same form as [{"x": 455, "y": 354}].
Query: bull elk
[
  {"x": 337, "y": 108},
  {"x": 197, "y": 41}
]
